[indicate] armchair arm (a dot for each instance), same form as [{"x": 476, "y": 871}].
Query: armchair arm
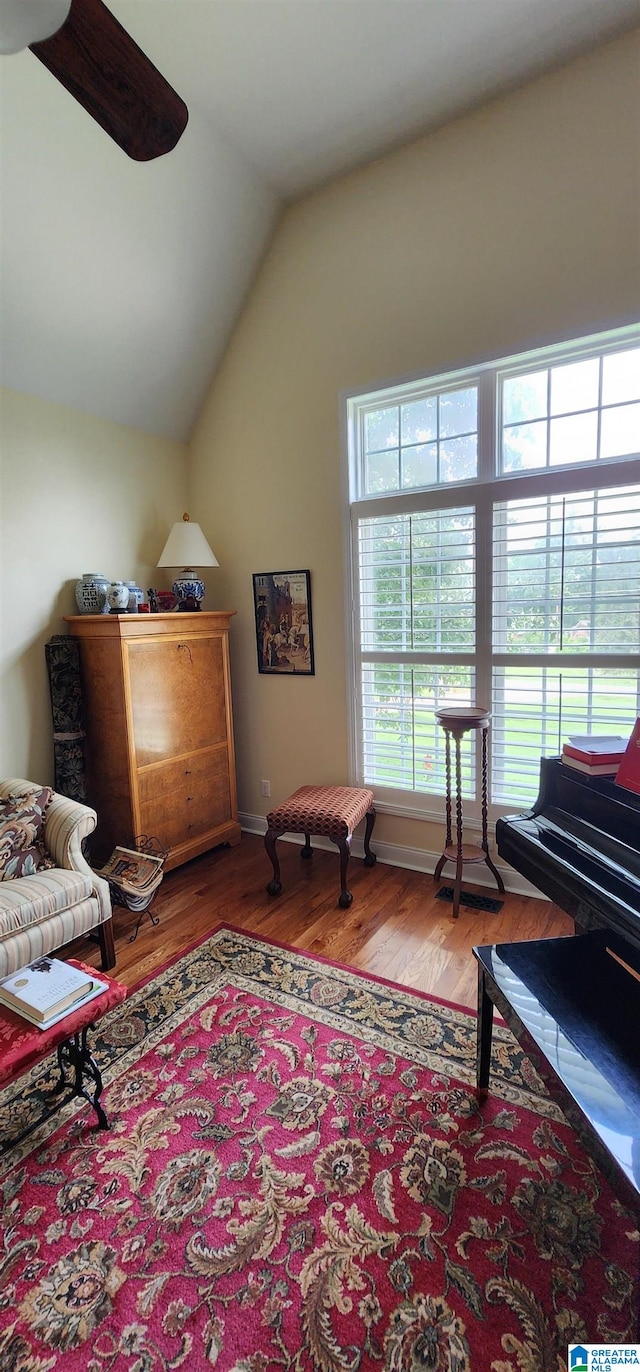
[{"x": 66, "y": 824}]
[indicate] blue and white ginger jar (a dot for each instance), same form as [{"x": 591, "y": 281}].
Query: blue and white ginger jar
[
  {"x": 91, "y": 593},
  {"x": 118, "y": 597}
]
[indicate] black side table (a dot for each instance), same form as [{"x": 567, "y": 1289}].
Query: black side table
[{"x": 457, "y": 721}]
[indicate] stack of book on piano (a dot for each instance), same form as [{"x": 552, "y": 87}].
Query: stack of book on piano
[
  {"x": 46, "y": 990},
  {"x": 135, "y": 875},
  {"x": 597, "y": 755}
]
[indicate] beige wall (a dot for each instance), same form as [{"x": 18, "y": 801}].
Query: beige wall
[
  {"x": 77, "y": 494},
  {"x": 517, "y": 225}
]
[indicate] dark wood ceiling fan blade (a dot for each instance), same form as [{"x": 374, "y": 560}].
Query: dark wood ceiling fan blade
[{"x": 101, "y": 66}]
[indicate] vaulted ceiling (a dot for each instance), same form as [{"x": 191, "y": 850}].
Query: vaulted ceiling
[{"x": 122, "y": 281}]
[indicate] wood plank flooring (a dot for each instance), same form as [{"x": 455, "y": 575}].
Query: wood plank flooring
[{"x": 395, "y": 927}]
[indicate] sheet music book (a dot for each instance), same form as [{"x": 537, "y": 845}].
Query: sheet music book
[{"x": 628, "y": 774}]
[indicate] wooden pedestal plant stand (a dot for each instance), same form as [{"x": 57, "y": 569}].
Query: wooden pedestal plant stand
[{"x": 456, "y": 722}]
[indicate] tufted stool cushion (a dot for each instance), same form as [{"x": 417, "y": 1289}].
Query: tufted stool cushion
[{"x": 334, "y": 812}]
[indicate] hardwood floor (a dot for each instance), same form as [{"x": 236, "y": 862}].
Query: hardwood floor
[{"x": 395, "y": 927}]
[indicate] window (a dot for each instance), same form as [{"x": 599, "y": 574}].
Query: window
[{"x": 495, "y": 537}]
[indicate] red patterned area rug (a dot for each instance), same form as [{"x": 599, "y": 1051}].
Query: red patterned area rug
[{"x": 299, "y": 1176}]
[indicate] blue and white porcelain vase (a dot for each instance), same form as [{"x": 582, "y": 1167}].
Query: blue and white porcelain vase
[
  {"x": 118, "y": 598},
  {"x": 136, "y": 597},
  {"x": 91, "y": 593}
]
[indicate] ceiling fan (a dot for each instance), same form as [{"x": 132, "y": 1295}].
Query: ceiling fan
[{"x": 84, "y": 47}]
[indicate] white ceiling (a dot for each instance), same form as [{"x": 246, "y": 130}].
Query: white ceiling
[{"x": 121, "y": 281}]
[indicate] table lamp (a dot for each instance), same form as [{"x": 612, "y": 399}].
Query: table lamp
[{"x": 187, "y": 547}]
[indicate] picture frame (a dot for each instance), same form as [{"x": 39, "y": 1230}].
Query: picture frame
[{"x": 284, "y": 632}]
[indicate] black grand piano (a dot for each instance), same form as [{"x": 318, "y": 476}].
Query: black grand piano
[
  {"x": 580, "y": 845},
  {"x": 574, "y": 1003}
]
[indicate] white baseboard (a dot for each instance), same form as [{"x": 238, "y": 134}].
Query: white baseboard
[{"x": 415, "y": 859}]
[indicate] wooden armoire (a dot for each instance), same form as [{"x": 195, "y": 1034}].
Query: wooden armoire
[{"x": 157, "y": 712}]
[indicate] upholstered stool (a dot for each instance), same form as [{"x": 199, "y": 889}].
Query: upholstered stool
[{"x": 333, "y": 811}]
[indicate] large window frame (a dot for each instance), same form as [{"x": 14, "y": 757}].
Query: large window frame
[{"x": 483, "y": 492}]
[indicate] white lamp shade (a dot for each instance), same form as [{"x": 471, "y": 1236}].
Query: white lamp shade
[
  {"x": 187, "y": 546},
  {"x": 23, "y": 22}
]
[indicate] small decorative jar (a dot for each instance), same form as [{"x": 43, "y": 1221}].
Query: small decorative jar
[
  {"x": 117, "y": 598},
  {"x": 91, "y": 593},
  {"x": 136, "y": 597}
]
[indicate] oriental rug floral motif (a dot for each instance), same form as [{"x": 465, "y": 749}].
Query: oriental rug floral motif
[{"x": 299, "y": 1176}]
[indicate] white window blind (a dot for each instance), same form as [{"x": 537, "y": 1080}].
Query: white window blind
[
  {"x": 417, "y": 599},
  {"x": 417, "y": 582},
  {"x": 566, "y": 586}
]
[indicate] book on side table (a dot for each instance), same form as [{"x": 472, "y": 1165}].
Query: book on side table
[{"x": 46, "y": 990}]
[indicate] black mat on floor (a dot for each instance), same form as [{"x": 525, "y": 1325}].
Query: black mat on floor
[{"x": 471, "y": 901}]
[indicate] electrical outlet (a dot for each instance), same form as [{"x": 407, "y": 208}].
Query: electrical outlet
[{"x": 265, "y": 788}]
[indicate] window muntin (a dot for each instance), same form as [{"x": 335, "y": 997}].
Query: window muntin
[
  {"x": 422, "y": 441},
  {"x": 573, "y": 412},
  {"x": 540, "y": 614}
]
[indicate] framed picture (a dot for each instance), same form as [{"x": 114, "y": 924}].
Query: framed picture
[{"x": 284, "y": 636}]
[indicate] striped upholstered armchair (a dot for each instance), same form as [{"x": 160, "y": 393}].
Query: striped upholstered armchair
[{"x": 43, "y": 911}]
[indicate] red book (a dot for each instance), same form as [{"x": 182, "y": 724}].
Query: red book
[
  {"x": 629, "y": 770},
  {"x": 597, "y": 750}
]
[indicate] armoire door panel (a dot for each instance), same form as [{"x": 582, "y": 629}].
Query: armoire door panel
[
  {"x": 177, "y": 702},
  {"x": 184, "y": 799}
]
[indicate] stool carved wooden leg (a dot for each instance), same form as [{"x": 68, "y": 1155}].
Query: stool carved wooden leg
[
  {"x": 270, "y": 839},
  {"x": 369, "y": 857},
  {"x": 344, "y": 844},
  {"x": 307, "y": 851}
]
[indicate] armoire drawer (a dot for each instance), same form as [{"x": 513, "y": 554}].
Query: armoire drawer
[{"x": 180, "y": 800}]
